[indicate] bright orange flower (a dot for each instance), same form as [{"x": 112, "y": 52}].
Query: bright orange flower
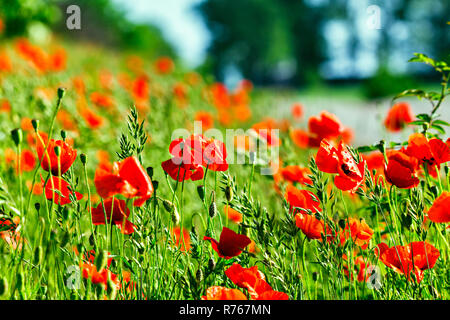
[
  {"x": 267, "y": 130},
  {"x": 312, "y": 227},
  {"x": 5, "y": 62},
  {"x": 440, "y": 210},
  {"x": 205, "y": 118},
  {"x": 296, "y": 174},
  {"x": 398, "y": 116},
  {"x": 303, "y": 199},
  {"x": 93, "y": 120},
  {"x": 126, "y": 177},
  {"x": 297, "y": 111},
  {"x": 183, "y": 243},
  {"x": 57, "y": 60},
  {"x": 232, "y": 214},
  {"x": 66, "y": 120},
  {"x": 66, "y": 157},
  {"x": 115, "y": 212},
  {"x": 358, "y": 230},
  {"x": 230, "y": 244},
  {"x": 28, "y": 160},
  {"x": 248, "y": 278},
  {"x": 37, "y": 189},
  {"x": 140, "y": 88},
  {"x": 101, "y": 100},
  {"x": 5, "y": 106},
  {"x": 222, "y": 293},
  {"x": 415, "y": 257},
  {"x": 58, "y": 190},
  {"x": 26, "y": 125},
  {"x": 164, "y": 65}
]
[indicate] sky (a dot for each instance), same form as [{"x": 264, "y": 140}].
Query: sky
[{"x": 179, "y": 23}]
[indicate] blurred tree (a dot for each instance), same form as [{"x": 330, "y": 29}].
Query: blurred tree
[
  {"x": 102, "y": 22},
  {"x": 18, "y": 15}
]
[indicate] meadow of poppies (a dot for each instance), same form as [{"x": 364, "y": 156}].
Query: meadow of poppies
[{"x": 102, "y": 197}]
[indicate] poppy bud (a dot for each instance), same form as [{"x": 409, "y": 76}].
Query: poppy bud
[
  {"x": 57, "y": 150},
  {"x": 201, "y": 192},
  {"x": 61, "y": 92},
  {"x": 212, "y": 207},
  {"x": 83, "y": 158},
  {"x": 35, "y": 124},
  {"x": 101, "y": 260},
  {"x": 211, "y": 264},
  {"x": 92, "y": 239},
  {"x": 37, "y": 206},
  {"x": 17, "y": 136},
  {"x": 229, "y": 193},
  {"x": 342, "y": 223},
  {"x": 199, "y": 275},
  {"x": 63, "y": 135},
  {"x": 150, "y": 172},
  {"x": 3, "y": 286},
  {"x": 155, "y": 185},
  {"x": 172, "y": 210}
]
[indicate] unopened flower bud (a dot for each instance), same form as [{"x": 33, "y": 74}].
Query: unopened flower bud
[
  {"x": 35, "y": 124},
  {"x": 83, "y": 158},
  {"x": 229, "y": 193},
  {"x": 201, "y": 192},
  {"x": 150, "y": 172},
  {"x": 17, "y": 136}
]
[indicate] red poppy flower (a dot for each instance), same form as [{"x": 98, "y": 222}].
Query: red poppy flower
[
  {"x": 415, "y": 257},
  {"x": 358, "y": 230},
  {"x": 164, "y": 65},
  {"x": 116, "y": 212},
  {"x": 375, "y": 161},
  {"x": 401, "y": 169},
  {"x": 326, "y": 125},
  {"x": 58, "y": 189},
  {"x": 254, "y": 281},
  {"x": 184, "y": 242},
  {"x": 296, "y": 174},
  {"x": 127, "y": 178},
  {"x": 268, "y": 131},
  {"x": 331, "y": 160},
  {"x": 140, "y": 88},
  {"x": 433, "y": 152},
  {"x": 230, "y": 244},
  {"x": 222, "y": 293},
  {"x": 273, "y": 295},
  {"x": 66, "y": 157},
  {"x": 177, "y": 170},
  {"x": 297, "y": 111},
  {"x": 398, "y": 116},
  {"x": 303, "y": 139},
  {"x": 248, "y": 278},
  {"x": 232, "y": 214},
  {"x": 198, "y": 150},
  {"x": 440, "y": 210},
  {"x": 312, "y": 227},
  {"x": 5, "y": 62},
  {"x": 303, "y": 199},
  {"x": 206, "y": 119},
  {"x": 93, "y": 120},
  {"x": 101, "y": 100}
]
